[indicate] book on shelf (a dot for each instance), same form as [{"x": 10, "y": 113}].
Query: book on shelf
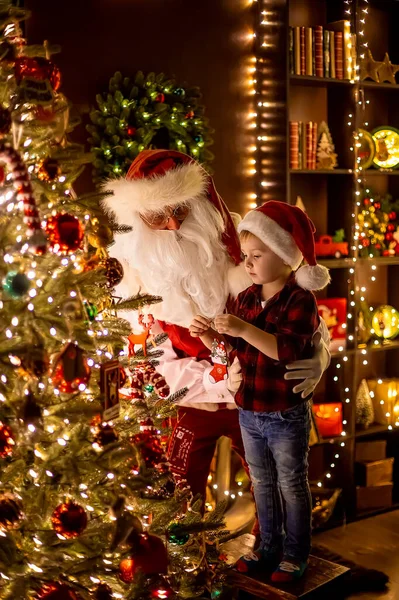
[
  {"x": 328, "y": 51},
  {"x": 303, "y": 143},
  {"x": 294, "y": 144}
]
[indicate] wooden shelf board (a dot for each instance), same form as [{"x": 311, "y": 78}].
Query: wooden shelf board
[
  {"x": 380, "y": 347},
  {"x": 366, "y": 172},
  {"x": 372, "y": 430},
  {"x": 361, "y": 433},
  {"x": 311, "y": 80},
  {"x": 317, "y": 81},
  {"x": 387, "y": 172},
  {"x": 321, "y": 172},
  {"x": 342, "y": 263}
]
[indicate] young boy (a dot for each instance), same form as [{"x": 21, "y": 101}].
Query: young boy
[{"x": 273, "y": 323}]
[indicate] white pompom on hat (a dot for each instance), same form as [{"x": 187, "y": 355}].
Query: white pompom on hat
[{"x": 289, "y": 233}]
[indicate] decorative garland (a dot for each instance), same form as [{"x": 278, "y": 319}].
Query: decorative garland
[{"x": 146, "y": 112}]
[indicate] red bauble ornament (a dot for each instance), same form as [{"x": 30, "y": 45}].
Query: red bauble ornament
[
  {"x": 389, "y": 237},
  {"x": 149, "y": 556},
  {"x": 69, "y": 520},
  {"x": 149, "y": 447},
  {"x": 10, "y": 512},
  {"x": 366, "y": 201},
  {"x": 160, "y": 97},
  {"x": 365, "y": 242},
  {"x": 65, "y": 233},
  {"x": 39, "y": 68},
  {"x": 392, "y": 215},
  {"x": 131, "y": 131},
  {"x": 7, "y": 442},
  {"x": 161, "y": 589},
  {"x": 377, "y": 205},
  {"x": 190, "y": 114},
  {"x": 391, "y": 227},
  {"x": 385, "y": 253},
  {"x": 377, "y": 246},
  {"x": 70, "y": 369},
  {"x": 57, "y": 591}
]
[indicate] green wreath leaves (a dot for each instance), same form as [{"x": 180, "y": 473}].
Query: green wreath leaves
[{"x": 146, "y": 112}]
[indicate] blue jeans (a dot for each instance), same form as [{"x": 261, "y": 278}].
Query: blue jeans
[{"x": 276, "y": 449}]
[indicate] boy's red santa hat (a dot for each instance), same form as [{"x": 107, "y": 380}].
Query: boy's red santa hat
[
  {"x": 289, "y": 233},
  {"x": 159, "y": 179}
]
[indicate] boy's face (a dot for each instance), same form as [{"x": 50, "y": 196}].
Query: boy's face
[{"x": 262, "y": 265}]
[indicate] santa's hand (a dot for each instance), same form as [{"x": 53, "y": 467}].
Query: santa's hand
[
  {"x": 199, "y": 326},
  {"x": 234, "y": 376},
  {"x": 311, "y": 369},
  {"x": 230, "y": 325}
]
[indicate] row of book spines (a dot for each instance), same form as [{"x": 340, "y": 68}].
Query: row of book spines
[
  {"x": 322, "y": 53},
  {"x": 303, "y": 143}
]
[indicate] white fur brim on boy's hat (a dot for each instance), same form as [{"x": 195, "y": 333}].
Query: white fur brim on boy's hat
[{"x": 289, "y": 233}]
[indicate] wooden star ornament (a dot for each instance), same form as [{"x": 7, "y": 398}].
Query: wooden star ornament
[
  {"x": 395, "y": 69},
  {"x": 385, "y": 71},
  {"x": 369, "y": 67}
]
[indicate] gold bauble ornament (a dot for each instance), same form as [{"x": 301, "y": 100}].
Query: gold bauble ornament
[
  {"x": 385, "y": 322},
  {"x": 49, "y": 170}
]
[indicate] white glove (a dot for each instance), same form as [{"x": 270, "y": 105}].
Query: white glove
[
  {"x": 234, "y": 376},
  {"x": 310, "y": 369}
]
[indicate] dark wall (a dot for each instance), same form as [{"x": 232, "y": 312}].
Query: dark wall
[{"x": 201, "y": 42}]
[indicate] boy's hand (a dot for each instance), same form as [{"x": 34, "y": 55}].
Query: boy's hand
[
  {"x": 230, "y": 325},
  {"x": 199, "y": 326}
]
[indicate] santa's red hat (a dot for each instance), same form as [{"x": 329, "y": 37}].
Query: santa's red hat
[
  {"x": 289, "y": 233},
  {"x": 158, "y": 179}
]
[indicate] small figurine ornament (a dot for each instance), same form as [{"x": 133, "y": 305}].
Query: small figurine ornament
[{"x": 219, "y": 360}]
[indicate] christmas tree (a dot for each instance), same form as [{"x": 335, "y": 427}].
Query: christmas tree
[
  {"x": 88, "y": 506},
  {"x": 375, "y": 230},
  {"x": 326, "y": 157},
  {"x": 146, "y": 111}
]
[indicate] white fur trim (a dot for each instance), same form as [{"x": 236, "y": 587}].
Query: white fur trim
[
  {"x": 238, "y": 280},
  {"x": 312, "y": 278},
  {"x": 179, "y": 185},
  {"x": 275, "y": 237}
]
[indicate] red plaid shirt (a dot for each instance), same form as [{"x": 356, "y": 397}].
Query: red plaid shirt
[{"x": 292, "y": 316}]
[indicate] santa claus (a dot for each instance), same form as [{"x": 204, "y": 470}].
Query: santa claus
[{"x": 184, "y": 247}]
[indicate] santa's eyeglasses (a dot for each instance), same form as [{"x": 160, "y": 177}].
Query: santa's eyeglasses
[{"x": 161, "y": 220}]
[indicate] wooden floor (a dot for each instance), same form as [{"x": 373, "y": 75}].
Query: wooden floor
[{"x": 372, "y": 543}]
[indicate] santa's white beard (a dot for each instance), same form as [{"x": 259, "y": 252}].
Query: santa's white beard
[{"x": 187, "y": 268}]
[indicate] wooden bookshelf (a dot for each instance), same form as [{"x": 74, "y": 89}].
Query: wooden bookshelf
[{"x": 329, "y": 199}]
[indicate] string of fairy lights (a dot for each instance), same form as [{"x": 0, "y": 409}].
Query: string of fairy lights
[{"x": 257, "y": 125}]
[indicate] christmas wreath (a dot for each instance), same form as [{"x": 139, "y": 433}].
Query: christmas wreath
[{"x": 146, "y": 112}]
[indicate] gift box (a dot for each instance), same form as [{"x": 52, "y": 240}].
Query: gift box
[
  {"x": 374, "y": 450},
  {"x": 377, "y": 496},
  {"x": 328, "y": 418},
  {"x": 374, "y": 472},
  {"x": 384, "y": 394},
  {"x": 333, "y": 311}
]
